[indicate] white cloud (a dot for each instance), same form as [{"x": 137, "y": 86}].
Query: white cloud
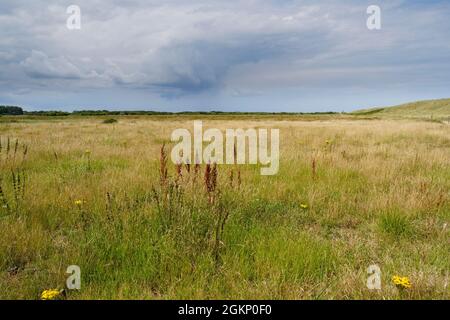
[
  {"x": 41, "y": 66},
  {"x": 243, "y": 47}
]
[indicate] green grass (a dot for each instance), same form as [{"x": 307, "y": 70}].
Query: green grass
[
  {"x": 430, "y": 109},
  {"x": 380, "y": 195},
  {"x": 396, "y": 223}
]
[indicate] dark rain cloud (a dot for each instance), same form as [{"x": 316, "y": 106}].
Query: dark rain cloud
[{"x": 229, "y": 54}]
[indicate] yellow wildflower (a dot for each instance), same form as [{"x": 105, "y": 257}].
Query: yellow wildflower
[
  {"x": 401, "y": 282},
  {"x": 304, "y": 206},
  {"x": 50, "y": 294},
  {"x": 79, "y": 203}
]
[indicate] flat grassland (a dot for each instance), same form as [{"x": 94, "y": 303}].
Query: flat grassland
[{"x": 350, "y": 193}]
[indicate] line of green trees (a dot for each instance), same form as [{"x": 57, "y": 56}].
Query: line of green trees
[{"x": 11, "y": 110}]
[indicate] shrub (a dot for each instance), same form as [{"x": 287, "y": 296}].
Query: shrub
[
  {"x": 395, "y": 223},
  {"x": 10, "y": 110},
  {"x": 109, "y": 121}
]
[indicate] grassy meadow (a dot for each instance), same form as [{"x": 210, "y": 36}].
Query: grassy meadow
[
  {"x": 351, "y": 192},
  {"x": 428, "y": 109}
]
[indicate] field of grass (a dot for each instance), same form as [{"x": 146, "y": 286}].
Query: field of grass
[
  {"x": 350, "y": 193},
  {"x": 428, "y": 109}
]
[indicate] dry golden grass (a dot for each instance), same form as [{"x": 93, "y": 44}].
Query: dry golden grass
[{"x": 379, "y": 194}]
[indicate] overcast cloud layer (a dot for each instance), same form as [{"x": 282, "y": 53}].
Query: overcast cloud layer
[{"x": 240, "y": 55}]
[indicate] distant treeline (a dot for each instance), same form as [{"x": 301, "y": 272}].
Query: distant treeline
[
  {"x": 137, "y": 113},
  {"x": 11, "y": 110}
]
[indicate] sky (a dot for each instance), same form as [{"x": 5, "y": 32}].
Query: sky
[{"x": 205, "y": 55}]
